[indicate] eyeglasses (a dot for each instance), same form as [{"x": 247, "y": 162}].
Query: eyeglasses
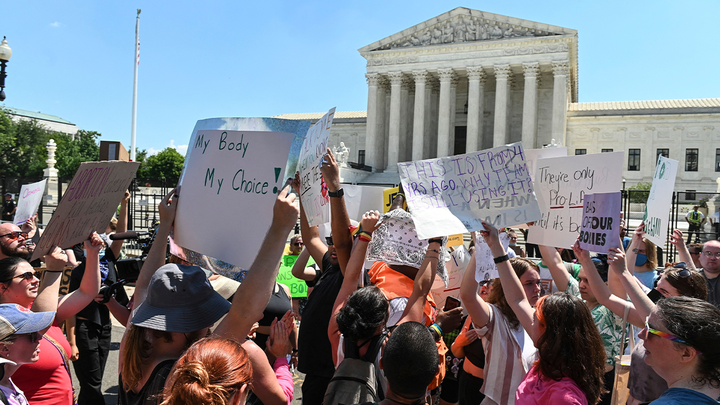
[
  {"x": 28, "y": 275},
  {"x": 329, "y": 241},
  {"x": 695, "y": 253},
  {"x": 298, "y": 244},
  {"x": 685, "y": 272},
  {"x": 14, "y": 235},
  {"x": 708, "y": 253}
]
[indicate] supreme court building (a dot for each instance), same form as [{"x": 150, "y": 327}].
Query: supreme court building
[{"x": 469, "y": 80}]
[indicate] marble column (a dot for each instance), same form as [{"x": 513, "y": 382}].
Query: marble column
[
  {"x": 394, "y": 130},
  {"x": 530, "y": 97},
  {"x": 406, "y": 111},
  {"x": 453, "y": 114},
  {"x": 431, "y": 129},
  {"x": 418, "y": 139},
  {"x": 476, "y": 87},
  {"x": 500, "y": 130},
  {"x": 372, "y": 143},
  {"x": 384, "y": 95},
  {"x": 446, "y": 78},
  {"x": 561, "y": 73}
]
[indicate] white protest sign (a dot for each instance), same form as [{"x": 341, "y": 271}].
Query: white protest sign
[
  {"x": 29, "y": 201},
  {"x": 360, "y": 199},
  {"x": 659, "y": 200},
  {"x": 88, "y": 204},
  {"x": 228, "y": 188},
  {"x": 560, "y": 185},
  {"x": 455, "y": 194},
  {"x": 601, "y": 222},
  {"x": 459, "y": 259},
  {"x": 485, "y": 268},
  {"x": 532, "y": 156},
  {"x": 314, "y": 193}
]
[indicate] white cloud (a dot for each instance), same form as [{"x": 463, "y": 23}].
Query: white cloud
[
  {"x": 152, "y": 151},
  {"x": 56, "y": 24},
  {"x": 182, "y": 149}
]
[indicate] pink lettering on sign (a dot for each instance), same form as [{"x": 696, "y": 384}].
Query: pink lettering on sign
[{"x": 29, "y": 192}]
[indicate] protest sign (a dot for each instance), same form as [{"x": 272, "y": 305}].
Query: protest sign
[
  {"x": 455, "y": 240},
  {"x": 533, "y": 155},
  {"x": 456, "y": 266},
  {"x": 659, "y": 200},
  {"x": 88, "y": 204},
  {"x": 360, "y": 199},
  {"x": 29, "y": 201},
  {"x": 485, "y": 268},
  {"x": 600, "y": 222},
  {"x": 227, "y": 191},
  {"x": 298, "y": 288},
  {"x": 388, "y": 197},
  {"x": 314, "y": 193},
  {"x": 455, "y": 194},
  {"x": 560, "y": 185}
]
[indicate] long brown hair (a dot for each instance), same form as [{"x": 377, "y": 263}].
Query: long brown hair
[
  {"x": 136, "y": 351},
  {"x": 209, "y": 372},
  {"x": 692, "y": 286},
  {"x": 570, "y": 345},
  {"x": 497, "y": 295}
]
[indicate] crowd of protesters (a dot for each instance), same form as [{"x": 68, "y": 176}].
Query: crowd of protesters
[{"x": 370, "y": 332}]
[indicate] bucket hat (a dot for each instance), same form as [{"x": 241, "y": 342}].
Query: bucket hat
[{"x": 180, "y": 299}]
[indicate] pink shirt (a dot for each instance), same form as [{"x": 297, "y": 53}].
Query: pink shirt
[{"x": 536, "y": 389}]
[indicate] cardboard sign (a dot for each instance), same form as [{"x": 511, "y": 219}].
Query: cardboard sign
[
  {"x": 298, "y": 288},
  {"x": 485, "y": 268},
  {"x": 228, "y": 189},
  {"x": 455, "y": 194},
  {"x": 388, "y": 197},
  {"x": 88, "y": 204},
  {"x": 29, "y": 201},
  {"x": 561, "y": 184},
  {"x": 459, "y": 259},
  {"x": 314, "y": 193},
  {"x": 601, "y": 222},
  {"x": 659, "y": 200}
]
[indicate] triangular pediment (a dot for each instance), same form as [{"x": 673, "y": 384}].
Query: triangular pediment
[{"x": 463, "y": 25}]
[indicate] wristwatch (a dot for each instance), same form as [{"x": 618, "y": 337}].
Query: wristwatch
[{"x": 336, "y": 194}]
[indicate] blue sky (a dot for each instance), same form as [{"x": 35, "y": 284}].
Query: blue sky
[{"x": 246, "y": 59}]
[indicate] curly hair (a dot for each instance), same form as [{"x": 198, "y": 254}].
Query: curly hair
[
  {"x": 497, "y": 295},
  {"x": 697, "y": 322},
  {"x": 362, "y": 315},
  {"x": 570, "y": 345},
  {"x": 693, "y": 286},
  {"x": 209, "y": 372}
]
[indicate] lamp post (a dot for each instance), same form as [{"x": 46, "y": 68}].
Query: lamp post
[{"x": 5, "y": 54}]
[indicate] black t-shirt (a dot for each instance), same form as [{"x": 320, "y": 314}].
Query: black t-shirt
[
  {"x": 315, "y": 351},
  {"x": 94, "y": 312},
  {"x": 713, "y": 285},
  {"x": 151, "y": 391},
  {"x": 8, "y": 207}
]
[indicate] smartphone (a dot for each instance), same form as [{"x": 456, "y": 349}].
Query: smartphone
[{"x": 450, "y": 303}]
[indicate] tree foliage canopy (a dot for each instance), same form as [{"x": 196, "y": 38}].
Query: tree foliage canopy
[{"x": 167, "y": 164}]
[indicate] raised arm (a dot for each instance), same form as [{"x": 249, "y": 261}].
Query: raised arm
[
  {"x": 352, "y": 275},
  {"x": 414, "y": 310},
  {"x": 300, "y": 269},
  {"x": 72, "y": 303},
  {"x": 116, "y": 245},
  {"x": 514, "y": 292},
  {"x": 156, "y": 256},
  {"x": 676, "y": 238},
  {"x": 551, "y": 258},
  {"x": 601, "y": 291},
  {"x": 340, "y": 223},
  {"x": 252, "y": 296},
  {"x": 635, "y": 245},
  {"x": 643, "y": 305},
  {"x": 478, "y": 309},
  {"x": 310, "y": 235}
]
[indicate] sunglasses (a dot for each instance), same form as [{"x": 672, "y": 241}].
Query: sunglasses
[
  {"x": 685, "y": 272},
  {"x": 28, "y": 275},
  {"x": 329, "y": 241},
  {"x": 33, "y": 337},
  {"x": 708, "y": 253},
  {"x": 298, "y": 244},
  {"x": 14, "y": 235},
  {"x": 665, "y": 335}
]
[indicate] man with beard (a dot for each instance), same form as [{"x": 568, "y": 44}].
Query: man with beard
[{"x": 12, "y": 241}]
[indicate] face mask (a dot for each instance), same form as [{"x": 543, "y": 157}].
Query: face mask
[{"x": 640, "y": 259}]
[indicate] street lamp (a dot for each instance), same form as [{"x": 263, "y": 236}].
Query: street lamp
[{"x": 5, "y": 54}]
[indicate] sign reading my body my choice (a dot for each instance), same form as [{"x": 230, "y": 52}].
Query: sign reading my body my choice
[
  {"x": 455, "y": 194},
  {"x": 228, "y": 188}
]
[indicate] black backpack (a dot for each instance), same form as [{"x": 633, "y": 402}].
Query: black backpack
[{"x": 356, "y": 379}]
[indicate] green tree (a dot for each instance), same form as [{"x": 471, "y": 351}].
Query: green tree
[
  {"x": 71, "y": 152},
  {"x": 639, "y": 192},
  {"x": 22, "y": 146},
  {"x": 167, "y": 164}
]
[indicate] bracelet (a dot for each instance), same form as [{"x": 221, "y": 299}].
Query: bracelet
[
  {"x": 438, "y": 240},
  {"x": 364, "y": 236},
  {"x": 434, "y": 250},
  {"x": 337, "y": 194},
  {"x": 436, "y": 330},
  {"x": 501, "y": 259}
]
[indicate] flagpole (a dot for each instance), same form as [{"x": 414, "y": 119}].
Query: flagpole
[{"x": 134, "y": 102}]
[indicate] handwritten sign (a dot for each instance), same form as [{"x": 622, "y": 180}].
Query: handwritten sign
[
  {"x": 659, "y": 200},
  {"x": 533, "y": 155},
  {"x": 561, "y": 184},
  {"x": 88, "y": 204},
  {"x": 459, "y": 259},
  {"x": 485, "y": 268},
  {"x": 388, "y": 196},
  {"x": 298, "y": 288},
  {"x": 600, "y": 222},
  {"x": 29, "y": 201},
  {"x": 455, "y": 194},
  {"x": 228, "y": 188},
  {"x": 314, "y": 193},
  {"x": 455, "y": 240}
]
